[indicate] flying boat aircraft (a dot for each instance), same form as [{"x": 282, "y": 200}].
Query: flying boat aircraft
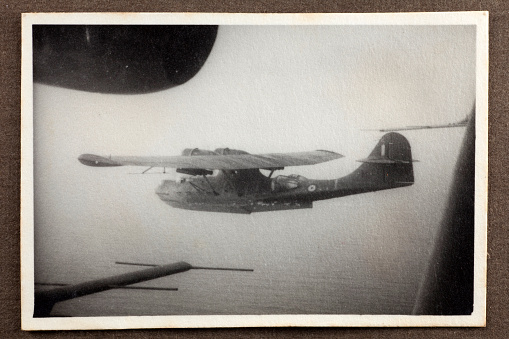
[{"x": 228, "y": 180}]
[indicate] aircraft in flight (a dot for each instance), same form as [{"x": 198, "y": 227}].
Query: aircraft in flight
[
  {"x": 461, "y": 123},
  {"x": 228, "y": 180}
]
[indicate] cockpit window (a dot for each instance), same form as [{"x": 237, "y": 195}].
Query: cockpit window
[{"x": 284, "y": 183}]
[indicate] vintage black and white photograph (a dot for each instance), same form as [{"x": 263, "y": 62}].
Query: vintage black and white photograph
[{"x": 225, "y": 170}]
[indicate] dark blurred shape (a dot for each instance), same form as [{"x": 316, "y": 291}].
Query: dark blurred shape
[
  {"x": 45, "y": 300},
  {"x": 122, "y": 59},
  {"x": 448, "y": 286}
]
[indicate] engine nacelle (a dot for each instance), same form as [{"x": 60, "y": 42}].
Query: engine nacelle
[
  {"x": 197, "y": 151},
  {"x": 228, "y": 151},
  {"x": 196, "y": 171}
]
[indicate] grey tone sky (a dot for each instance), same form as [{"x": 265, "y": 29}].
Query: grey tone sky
[{"x": 263, "y": 89}]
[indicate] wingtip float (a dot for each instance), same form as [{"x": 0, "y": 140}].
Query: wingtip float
[{"x": 97, "y": 161}]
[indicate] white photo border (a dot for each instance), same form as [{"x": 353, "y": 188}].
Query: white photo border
[{"x": 478, "y": 317}]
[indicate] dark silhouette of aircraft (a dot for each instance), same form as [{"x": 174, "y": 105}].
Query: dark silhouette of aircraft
[
  {"x": 448, "y": 284},
  {"x": 228, "y": 180},
  {"x": 121, "y": 59},
  {"x": 45, "y": 300}
]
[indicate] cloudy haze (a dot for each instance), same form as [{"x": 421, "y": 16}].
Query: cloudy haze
[{"x": 263, "y": 89}]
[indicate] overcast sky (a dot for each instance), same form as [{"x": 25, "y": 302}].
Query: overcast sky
[{"x": 263, "y": 89}]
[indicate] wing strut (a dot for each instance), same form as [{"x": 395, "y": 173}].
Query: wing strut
[
  {"x": 197, "y": 188},
  {"x": 211, "y": 187},
  {"x": 148, "y": 169}
]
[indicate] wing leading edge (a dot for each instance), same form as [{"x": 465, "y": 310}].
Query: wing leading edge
[
  {"x": 220, "y": 162},
  {"x": 462, "y": 123}
]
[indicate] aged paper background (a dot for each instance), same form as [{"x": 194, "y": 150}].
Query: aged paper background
[{"x": 497, "y": 265}]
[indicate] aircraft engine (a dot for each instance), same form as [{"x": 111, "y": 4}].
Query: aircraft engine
[
  {"x": 197, "y": 151},
  {"x": 228, "y": 151},
  {"x": 195, "y": 171}
]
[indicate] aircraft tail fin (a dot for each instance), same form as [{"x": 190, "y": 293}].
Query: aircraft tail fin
[{"x": 390, "y": 163}]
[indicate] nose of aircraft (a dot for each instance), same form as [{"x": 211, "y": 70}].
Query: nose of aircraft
[
  {"x": 161, "y": 189},
  {"x": 166, "y": 189}
]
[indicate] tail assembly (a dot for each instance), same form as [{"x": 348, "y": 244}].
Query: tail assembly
[{"x": 388, "y": 166}]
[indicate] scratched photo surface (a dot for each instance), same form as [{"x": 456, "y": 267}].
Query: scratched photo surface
[{"x": 259, "y": 89}]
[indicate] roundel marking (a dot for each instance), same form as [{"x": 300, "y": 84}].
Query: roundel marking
[{"x": 311, "y": 188}]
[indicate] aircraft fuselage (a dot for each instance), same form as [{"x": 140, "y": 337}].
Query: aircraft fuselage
[{"x": 248, "y": 191}]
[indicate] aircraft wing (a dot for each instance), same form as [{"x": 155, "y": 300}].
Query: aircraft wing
[
  {"x": 45, "y": 300},
  {"x": 462, "y": 123},
  {"x": 216, "y": 161}
]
